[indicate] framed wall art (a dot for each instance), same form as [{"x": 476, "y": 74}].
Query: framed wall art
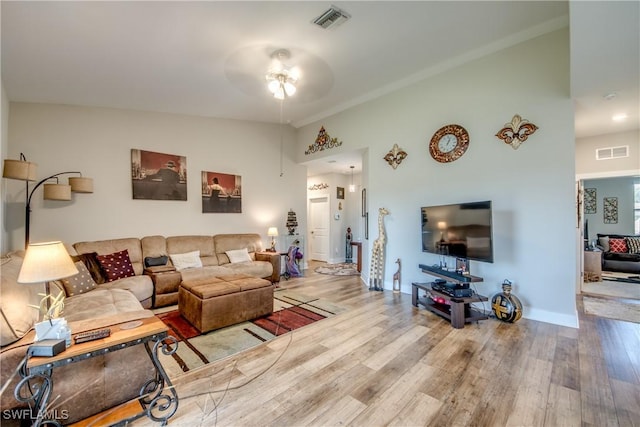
[
  {"x": 221, "y": 192},
  {"x": 158, "y": 176},
  {"x": 340, "y": 192},
  {"x": 364, "y": 201},
  {"x": 590, "y": 204},
  {"x": 610, "y": 210}
]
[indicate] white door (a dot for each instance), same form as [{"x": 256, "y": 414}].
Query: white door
[{"x": 319, "y": 229}]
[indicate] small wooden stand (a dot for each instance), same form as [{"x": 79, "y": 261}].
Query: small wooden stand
[{"x": 459, "y": 310}]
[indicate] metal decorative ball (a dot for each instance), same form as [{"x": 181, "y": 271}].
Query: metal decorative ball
[{"x": 506, "y": 306}]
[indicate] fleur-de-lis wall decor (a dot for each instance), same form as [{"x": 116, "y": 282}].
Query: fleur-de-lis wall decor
[
  {"x": 516, "y": 132},
  {"x": 395, "y": 156}
]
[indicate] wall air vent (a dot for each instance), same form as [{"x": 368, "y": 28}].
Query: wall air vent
[
  {"x": 331, "y": 18},
  {"x": 612, "y": 153}
]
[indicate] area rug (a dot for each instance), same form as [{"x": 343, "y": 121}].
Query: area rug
[
  {"x": 341, "y": 269},
  {"x": 291, "y": 311},
  {"x": 612, "y": 309}
]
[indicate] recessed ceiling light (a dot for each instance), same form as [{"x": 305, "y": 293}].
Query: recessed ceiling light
[
  {"x": 619, "y": 117},
  {"x": 610, "y": 96}
]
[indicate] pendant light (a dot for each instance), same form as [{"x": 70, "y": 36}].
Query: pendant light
[{"x": 352, "y": 187}]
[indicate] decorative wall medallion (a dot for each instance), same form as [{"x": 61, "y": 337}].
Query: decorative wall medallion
[
  {"x": 516, "y": 132},
  {"x": 590, "y": 204},
  {"x": 323, "y": 142},
  {"x": 610, "y": 208},
  {"x": 320, "y": 186},
  {"x": 449, "y": 143},
  {"x": 395, "y": 156}
]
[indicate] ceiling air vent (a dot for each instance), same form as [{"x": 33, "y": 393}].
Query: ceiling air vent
[
  {"x": 612, "y": 153},
  {"x": 331, "y": 18}
]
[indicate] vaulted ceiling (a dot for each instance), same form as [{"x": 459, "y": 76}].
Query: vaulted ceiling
[{"x": 210, "y": 58}]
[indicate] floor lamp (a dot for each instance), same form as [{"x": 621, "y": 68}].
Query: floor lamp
[{"x": 23, "y": 170}]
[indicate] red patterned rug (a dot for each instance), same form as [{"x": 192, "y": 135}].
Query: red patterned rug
[{"x": 277, "y": 323}]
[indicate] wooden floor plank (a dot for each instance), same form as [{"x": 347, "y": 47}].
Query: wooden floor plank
[{"x": 385, "y": 362}]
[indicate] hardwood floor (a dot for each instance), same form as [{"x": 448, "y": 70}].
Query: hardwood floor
[{"x": 384, "y": 362}]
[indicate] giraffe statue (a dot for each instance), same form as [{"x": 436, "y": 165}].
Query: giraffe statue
[
  {"x": 396, "y": 278},
  {"x": 376, "y": 273}
]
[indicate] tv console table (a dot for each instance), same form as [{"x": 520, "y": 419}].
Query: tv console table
[{"x": 459, "y": 310}]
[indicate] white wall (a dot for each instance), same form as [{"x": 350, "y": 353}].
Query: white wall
[
  {"x": 98, "y": 142},
  {"x": 622, "y": 188},
  {"x": 532, "y": 188},
  {"x": 588, "y": 166}
]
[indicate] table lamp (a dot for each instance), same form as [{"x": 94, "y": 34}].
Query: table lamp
[
  {"x": 273, "y": 233},
  {"x": 45, "y": 262}
]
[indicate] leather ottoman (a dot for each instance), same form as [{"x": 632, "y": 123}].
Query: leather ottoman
[{"x": 215, "y": 302}]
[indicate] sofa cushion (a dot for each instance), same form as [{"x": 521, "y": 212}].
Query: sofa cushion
[
  {"x": 204, "y": 244},
  {"x": 99, "y": 303},
  {"x": 105, "y": 247},
  {"x": 116, "y": 265},
  {"x": 238, "y": 255},
  {"x": 604, "y": 243},
  {"x": 633, "y": 244},
  {"x": 15, "y": 299},
  {"x": 618, "y": 245},
  {"x": 621, "y": 256},
  {"x": 254, "y": 269},
  {"x": 229, "y": 242},
  {"x": 140, "y": 286},
  {"x": 186, "y": 260},
  {"x": 90, "y": 260},
  {"x": 79, "y": 283}
]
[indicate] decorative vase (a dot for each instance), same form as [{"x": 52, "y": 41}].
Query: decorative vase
[{"x": 506, "y": 306}]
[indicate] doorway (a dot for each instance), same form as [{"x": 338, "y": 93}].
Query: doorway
[{"x": 319, "y": 229}]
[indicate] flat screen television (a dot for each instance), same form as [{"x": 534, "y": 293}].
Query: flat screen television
[{"x": 462, "y": 230}]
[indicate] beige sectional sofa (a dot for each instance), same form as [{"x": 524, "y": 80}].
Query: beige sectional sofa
[{"x": 96, "y": 384}]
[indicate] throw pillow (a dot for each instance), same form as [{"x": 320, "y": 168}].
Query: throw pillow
[
  {"x": 186, "y": 260},
  {"x": 155, "y": 261},
  {"x": 238, "y": 255},
  {"x": 617, "y": 245},
  {"x": 80, "y": 283},
  {"x": 116, "y": 265},
  {"x": 604, "y": 242},
  {"x": 90, "y": 260},
  {"x": 633, "y": 244}
]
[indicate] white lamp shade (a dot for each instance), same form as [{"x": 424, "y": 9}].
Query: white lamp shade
[
  {"x": 44, "y": 262},
  {"x": 80, "y": 184},
  {"x": 290, "y": 89},
  {"x": 57, "y": 192},
  {"x": 442, "y": 225},
  {"x": 20, "y": 169},
  {"x": 273, "y": 231}
]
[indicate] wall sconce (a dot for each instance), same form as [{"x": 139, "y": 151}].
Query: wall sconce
[{"x": 23, "y": 170}]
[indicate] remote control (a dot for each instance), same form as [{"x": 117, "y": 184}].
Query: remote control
[{"x": 92, "y": 335}]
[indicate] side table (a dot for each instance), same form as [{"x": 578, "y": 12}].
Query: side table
[
  {"x": 592, "y": 266},
  {"x": 158, "y": 397}
]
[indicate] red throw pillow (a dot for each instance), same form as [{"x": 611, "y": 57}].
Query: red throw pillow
[
  {"x": 617, "y": 245},
  {"x": 116, "y": 265}
]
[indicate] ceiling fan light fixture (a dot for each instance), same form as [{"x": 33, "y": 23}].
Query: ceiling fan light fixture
[{"x": 281, "y": 79}]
